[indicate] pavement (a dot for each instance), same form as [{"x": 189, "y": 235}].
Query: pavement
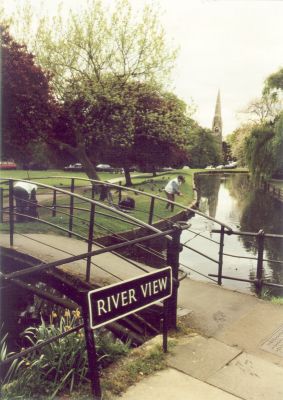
[{"x": 234, "y": 352}]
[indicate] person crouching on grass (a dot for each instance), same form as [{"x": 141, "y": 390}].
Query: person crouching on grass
[{"x": 172, "y": 188}]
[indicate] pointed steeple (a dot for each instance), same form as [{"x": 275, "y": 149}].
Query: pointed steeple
[{"x": 217, "y": 120}]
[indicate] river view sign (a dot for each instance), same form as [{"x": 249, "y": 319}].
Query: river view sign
[{"x": 115, "y": 301}]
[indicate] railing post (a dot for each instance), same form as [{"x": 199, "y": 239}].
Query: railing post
[
  {"x": 119, "y": 192},
  {"x": 54, "y": 203},
  {"x": 71, "y": 215},
  {"x": 90, "y": 240},
  {"x": 11, "y": 212},
  {"x": 1, "y": 204},
  {"x": 93, "y": 191},
  {"x": 173, "y": 250},
  {"x": 150, "y": 218},
  {"x": 92, "y": 355},
  {"x": 259, "y": 268},
  {"x": 220, "y": 259}
]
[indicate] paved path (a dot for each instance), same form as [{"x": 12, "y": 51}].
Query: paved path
[
  {"x": 237, "y": 352},
  {"x": 106, "y": 268}
]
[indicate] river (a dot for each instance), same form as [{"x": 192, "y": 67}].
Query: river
[{"x": 233, "y": 200}]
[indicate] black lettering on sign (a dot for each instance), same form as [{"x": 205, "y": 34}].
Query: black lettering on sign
[{"x": 118, "y": 300}]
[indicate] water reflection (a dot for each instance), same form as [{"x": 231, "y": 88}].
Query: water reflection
[{"x": 232, "y": 199}]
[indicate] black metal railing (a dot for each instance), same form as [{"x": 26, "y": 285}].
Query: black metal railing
[
  {"x": 95, "y": 209},
  {"x": 259, "y": 281},
  {"x": 112, "y": 212}
]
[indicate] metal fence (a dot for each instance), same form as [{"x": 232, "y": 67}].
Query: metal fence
[{"x": 68, "y": 211}]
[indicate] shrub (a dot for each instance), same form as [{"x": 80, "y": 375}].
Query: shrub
[{"x": 60, "y": 365}]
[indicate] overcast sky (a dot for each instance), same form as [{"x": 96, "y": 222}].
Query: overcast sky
[{"x": 231, "y": 45}]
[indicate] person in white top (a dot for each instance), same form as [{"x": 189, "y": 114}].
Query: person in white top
[
  {"x": 172, "y": 188},
  {"x": 25, "y": 195}
]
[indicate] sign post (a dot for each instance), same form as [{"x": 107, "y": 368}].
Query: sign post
[{"x": 110, "y": 303}]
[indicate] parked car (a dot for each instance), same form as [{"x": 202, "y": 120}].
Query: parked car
[
  {"x": 104, "y": 168},
  {"x": 108, "y": 168},
  {"x": 74, "y": 167},
  {"x": 8, "y": 165},
  {"x": 231, "y": 165},
  {"x": 209, "y": 167},
  {"x": 220, "y": 166},
  {"x": 164, "y": 169}
]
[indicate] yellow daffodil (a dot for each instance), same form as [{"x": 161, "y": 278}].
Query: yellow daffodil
[{"x": 76, "y": 313}]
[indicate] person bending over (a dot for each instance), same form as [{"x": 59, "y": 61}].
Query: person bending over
[
  {"x": 25, "y": 195},
  {"x": 172, "y": 188}
]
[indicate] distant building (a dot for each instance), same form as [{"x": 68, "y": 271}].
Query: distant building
[{"x": 217, "y": 121}]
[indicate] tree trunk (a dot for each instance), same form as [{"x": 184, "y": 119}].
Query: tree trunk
[
  {"x": 80, "y": 154},
  {"x": 128, "y": 176},
  {"x": 87, "y": 164}
]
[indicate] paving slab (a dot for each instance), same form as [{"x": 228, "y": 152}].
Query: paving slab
[
  {"x": 250, "y": 378},
  {"x": 171, "y": 384},
  {"x": 214, "y": 307},
  {"x": 201, "y": 357},
  {"x": 258, "y": 332}
]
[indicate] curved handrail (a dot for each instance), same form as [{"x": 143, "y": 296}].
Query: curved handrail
[
  {"x": 91, "y": 201},
  {"x": 134, "y": 191}
]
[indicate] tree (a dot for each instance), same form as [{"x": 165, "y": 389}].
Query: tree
[
  {"x": 92, "y": 56},
  {"x": 26, "y": 100},
  {"x": 142, "y": 125},
  {"x": 226, "y": 152},
  {"x": 274, "y": 81},
  {"x": 203, "y": 147},
  {"x": 236, "y": 141},
  {"x": 264, "y": 109},
  {"x": 259, "y": 151},
  {"x": 263, "y": 148}
]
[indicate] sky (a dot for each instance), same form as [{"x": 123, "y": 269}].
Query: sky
[{"x": 226, "y": 45}]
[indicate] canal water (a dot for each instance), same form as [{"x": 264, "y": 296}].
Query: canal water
[{"x": 233, "y": 200}]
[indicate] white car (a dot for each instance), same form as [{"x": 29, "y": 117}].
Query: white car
[
  {"x": 231, "y": 165},
  {"x": 74, "y": 167}
]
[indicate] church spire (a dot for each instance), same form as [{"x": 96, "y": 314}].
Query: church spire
[{"x": 217, "y": 120}]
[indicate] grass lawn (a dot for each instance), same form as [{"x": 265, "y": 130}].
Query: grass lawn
[
  {"x": 142, "y": 182},
  {"x": 51, "y": 177}
]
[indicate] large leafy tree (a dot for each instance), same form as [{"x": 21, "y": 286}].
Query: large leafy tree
[
  {"x": 203, "y": 148},
  {"x": 140, "y": 125},
  {"x": 92, "y": 55},
  {"x": 236, "y": 141},
  {"x": 264, "y": 146},
  {"x": 274, "y": 81},
  {"x": 27, "y": 104}
]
